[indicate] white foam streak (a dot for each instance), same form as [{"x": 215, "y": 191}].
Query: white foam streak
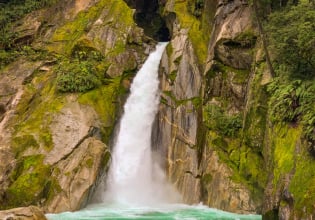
[{"x": 134, "y": 178}]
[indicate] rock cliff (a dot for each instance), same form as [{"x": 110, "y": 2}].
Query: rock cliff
[
  {"x": 199, "y": 76},
  {"x": 214, "y": 130},
  {"x": 214, "y": 127},
  {"x": 53, "y": 144}
]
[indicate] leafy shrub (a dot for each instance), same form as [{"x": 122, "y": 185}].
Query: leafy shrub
[
  {"x": 13, "y": 10},
  {"x": 293, "y": 102},
  {"x": 195, "y": 7},
  {"x": 292, "y": 93},
  {"x": 76, "y": 76},
  {"x": 293, "y": 45},
  {"x": 226, "y": 125}
]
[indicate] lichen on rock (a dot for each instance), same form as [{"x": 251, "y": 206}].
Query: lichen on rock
[{"x": 58, "y": 139}]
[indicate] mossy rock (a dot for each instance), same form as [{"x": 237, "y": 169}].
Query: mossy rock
[
  {"x": 85, "y": 48},
  {"x": 28, "y": 182},
  {"x": 21, "y": 143},
  {"x": 67, "y": 36},
  {"x": 104, "y": 102},
  {"x": 198, "y": 31}
]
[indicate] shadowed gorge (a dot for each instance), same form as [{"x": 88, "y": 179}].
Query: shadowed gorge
[{"x": 148, "y": 16}]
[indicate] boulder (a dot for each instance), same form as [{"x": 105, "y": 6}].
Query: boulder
[
  {"x": 76, "y": 176},
  {"x": 23, "y": 213}
]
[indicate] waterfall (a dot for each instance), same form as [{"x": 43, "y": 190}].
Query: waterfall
[
  {"x": 134, "y": 178},
  {"x": 136, "y": 187}
]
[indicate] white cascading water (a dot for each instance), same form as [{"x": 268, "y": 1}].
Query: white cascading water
[
  {"x": 136, "y": 187},
  {"x": 134, "y": 178}
]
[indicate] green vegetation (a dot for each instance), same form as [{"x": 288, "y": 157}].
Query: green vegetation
[
  {"x": 294, "y": 102},
  {"x": 13, "y": 10},
  {"x": 68, "y": 34},
  {"x": 218, "y": 67},
  {"x": 35, "y": 111},
  {"x": 303, "y": 184},
  {"x": 76, "y": 76},
  {"x": 29, "y": 180},
  {"x": 255, "y": 118},
  {"x": 293, "y": 45},
  {"x": 119, "y": 15},
  {"x": 292, "y": 91},
  {"x": 73, "y": 63},
  {"x": 104, "y": 101},
  {"x": 290, "y": 32},
  {"x": 246, "y": 39},
  {"x": 285, "y": 140},
  {"x": 217, "y": 120},
  {"x": 195, "y": 7},
  {"x": 195, "y": 101},
  {"x": 247, "y": 165},
  {"x": 198, "y": 33},
  {"x": 21, "y": 143}
]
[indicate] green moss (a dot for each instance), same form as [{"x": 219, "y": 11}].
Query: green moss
[
  {"x": 66, "y": 37},
  {"x": 177, "y": 60},
  {"x": 35, "y": 113},
  {"x": 68, "y": 34},
  {"x": 46, "y": 139},
  {"x": 21, "y": 143},
  {"x": 52, "y": 188},
  {"x": 291, "y": 158},
  {"x": 206, "y": 178},
  {"x": 84, "y": 49},
  {"x": 285, "y": 140},
  {"x": 172, "y": 76},
  {"x": 216, "y": 119},
  {"x": 255, "y": 118},
  {"x": 106, "y": 159},
  {"x": 30, "y": 179},
  {"x": 247, "y": 38},
  {"x": 247, "y": 165},
  {"x": 195, "y": 101},
  {"x": 169, "y": 50},
  {"x": 103, "y": 100},
  {"x": 239, "y": 76},
  {"x": 89, "y": 163},
  {"x": 199, "y": 36},
  {"x": 302, "y": 185}
]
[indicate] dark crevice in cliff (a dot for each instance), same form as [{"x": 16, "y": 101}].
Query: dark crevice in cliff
[{"x": 147, "y": 17}]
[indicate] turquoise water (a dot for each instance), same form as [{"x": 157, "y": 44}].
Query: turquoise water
[{"x": 167, "y": 212}]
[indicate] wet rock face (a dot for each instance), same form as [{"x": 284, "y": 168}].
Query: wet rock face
[
  {"x": 53, "y": 146},
  {"x": 188, "y": 85},
  {"x": 175, "y": 130},
  {"x": 77, "y": 176}
]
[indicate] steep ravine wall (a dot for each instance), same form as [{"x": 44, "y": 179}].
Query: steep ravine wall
[
  {"x": 190, "y": 82},
  {"x": 213, "y": 130},
  {"x": 53, "y": 145}
]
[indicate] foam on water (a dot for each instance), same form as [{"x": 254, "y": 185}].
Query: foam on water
[{"x": 160, "y": 212}]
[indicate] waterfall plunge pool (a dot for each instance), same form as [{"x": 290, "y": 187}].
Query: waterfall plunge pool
[
  {"x": 150, "y": 197},
  {"x": 161, "y": 212}
]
